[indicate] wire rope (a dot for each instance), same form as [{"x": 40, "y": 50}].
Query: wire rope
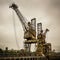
[{"x": 15, "y": 30}]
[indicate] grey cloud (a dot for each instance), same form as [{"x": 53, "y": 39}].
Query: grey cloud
[{"x": 4, "y": 2}]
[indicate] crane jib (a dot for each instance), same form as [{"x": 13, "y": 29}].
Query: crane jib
[{"x": 21, "y": 18}]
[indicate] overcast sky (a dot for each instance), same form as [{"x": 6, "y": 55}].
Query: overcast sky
[{"x": 45, "y": 11}]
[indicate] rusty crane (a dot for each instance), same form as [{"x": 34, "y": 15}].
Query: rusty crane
[{"x": 30, "y": 33}]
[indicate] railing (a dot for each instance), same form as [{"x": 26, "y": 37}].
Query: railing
[{"x": 24, "y": 58}]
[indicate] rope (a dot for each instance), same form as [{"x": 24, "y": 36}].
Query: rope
[{"x": 15, "y": 30}]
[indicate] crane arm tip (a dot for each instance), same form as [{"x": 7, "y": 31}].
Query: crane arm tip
[{"x": 14, "y": 6}]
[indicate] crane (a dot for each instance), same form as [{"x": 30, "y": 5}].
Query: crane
[
  {"x": 28, "y": 27},
  {"x": 42, "y": 46},
  {"x": 29, "y": 32}
]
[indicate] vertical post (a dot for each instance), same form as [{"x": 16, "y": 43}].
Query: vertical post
[{"x": 29, "y": 47}]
